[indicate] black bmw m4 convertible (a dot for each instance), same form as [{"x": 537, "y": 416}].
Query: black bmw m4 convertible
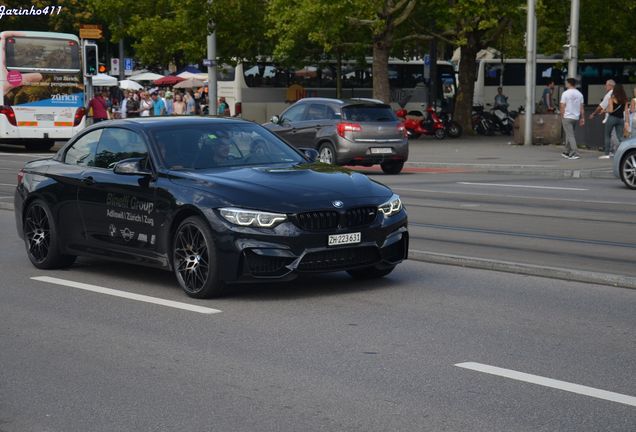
[{"x": 216, "y": 201}]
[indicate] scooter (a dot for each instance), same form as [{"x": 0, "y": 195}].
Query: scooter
[
  {"x": 417, "y": 123},
  {"x": 453, "y": 129},
  {"x": 482, "y": 121},
  {"x": 502, "y": 120}
]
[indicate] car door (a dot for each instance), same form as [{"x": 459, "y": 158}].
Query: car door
[
  {"x": 68, "y": 175},
  {"x": 119, "y": 211},
  {"x": 317, "y": 116},
  {"x": 289, "y": 121}
]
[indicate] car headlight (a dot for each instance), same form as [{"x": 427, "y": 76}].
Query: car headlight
[
  {"x": 252, "y": 218},
  {"x": 391, "y": 207}
]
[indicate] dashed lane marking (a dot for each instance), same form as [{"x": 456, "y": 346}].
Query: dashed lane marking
[
  {"x": 127, "y": 295},
  {"x": 549, "y": 382},
  {"x": 521, "y": 186}
]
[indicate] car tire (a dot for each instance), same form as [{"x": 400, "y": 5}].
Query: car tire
[
  {"x": 194, "y": 259},
  {"x": 41, "y": 238},
  {"x": 392, "y": 167},
  {"x": 627, "y": 169},
  {"x": 327, "y": 153},
  {"x": 373, "y": 272},
  {"x": 39, "y": 145}
]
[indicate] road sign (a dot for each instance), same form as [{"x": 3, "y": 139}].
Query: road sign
[
  {"x": 208, "y": 62},
  {"x": 90, "y": 31},
  {"x": 129, "y": 65},
  {"x": 114, "y": 66},
  {"x": 427, "y": 60}
]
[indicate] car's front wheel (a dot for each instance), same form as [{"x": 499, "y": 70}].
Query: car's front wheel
[
  {"x": 194, "y": 259},
  {"x": 628, "y": 170},
  {"x": 41, "y": 238},
  {"x": 373, "y": 272},
  {"x": 392, "y": 167},
  {"x": 327, "y": 153}
]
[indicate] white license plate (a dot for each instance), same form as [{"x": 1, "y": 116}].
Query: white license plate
[
  {"x": 44, "y": 117},
  {"x": 381, "y": 150},
  {"x": 340, "y": 239}
]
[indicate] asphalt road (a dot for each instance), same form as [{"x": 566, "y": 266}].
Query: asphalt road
[{"x": 326, "y": 353}]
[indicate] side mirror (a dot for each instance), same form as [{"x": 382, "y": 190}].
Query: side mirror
[
  {"x": 275, "y": 119},
  {"x": 130, "y": 167},
  {"x": 311, "y": 154}
]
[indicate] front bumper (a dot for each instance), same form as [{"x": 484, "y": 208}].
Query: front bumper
[{"x": 282, "y": 253}]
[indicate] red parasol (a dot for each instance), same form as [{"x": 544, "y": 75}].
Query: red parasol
[{"x": 168, "y": 80}]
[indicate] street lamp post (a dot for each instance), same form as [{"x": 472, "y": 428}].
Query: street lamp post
[
  {"x": 212, "y": 96},
  {"x": 574, "y": 39},
  {"x": 531, "y": 60}
]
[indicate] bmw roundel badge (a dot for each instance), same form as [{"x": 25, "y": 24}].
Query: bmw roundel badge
[{"x": 337, "y": 204}]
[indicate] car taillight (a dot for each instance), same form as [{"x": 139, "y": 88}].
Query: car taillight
[
  {"x": 348, "y": 127},
  {"x": 8, "y": 112},
  {"x": 238, "y": 109},
  {"x": 79, "y": 114},
  {"x": 20, "y": 176}
]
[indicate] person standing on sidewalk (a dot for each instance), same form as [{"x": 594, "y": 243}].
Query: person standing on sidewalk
[
  {"x": 546, "y": 97},
  {"x": 615, "y": 121},
  {"x": 572, "y": 112}
]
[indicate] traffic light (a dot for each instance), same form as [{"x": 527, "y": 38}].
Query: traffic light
[
  {"x": 91, "y": 63},
  {"x": 102, "y": 68}
]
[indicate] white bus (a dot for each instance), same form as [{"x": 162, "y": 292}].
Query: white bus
[
  {"x": 593, "y": 73},
  {"x": 258, "y": 91},
  {"x": 42, "y": 97}
]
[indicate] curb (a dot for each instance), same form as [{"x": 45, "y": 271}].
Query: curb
[
  {"x": 530, "y": 170},
  {"x": 525, "y": 269}
]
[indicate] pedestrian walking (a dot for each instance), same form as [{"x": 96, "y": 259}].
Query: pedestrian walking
[
  {"x": 572, "y": 112},
  {"x": 169, "y": 101},
  {"x": 145, "y": 105},
  {"x": 223, "y": 109},
  {"x": 123, "y": 106},
  {"x": 546, "y": 98},
  {"x": 158, "y": 106},
  {"x": 615, "y": 120},
  {"x": 132, "y": 105},
  {"x": 190, "y": 103},
  {"x": 631, "y": 115},
  {"x": 178, "y": 106},
  {"x": 99, "y": 106}
]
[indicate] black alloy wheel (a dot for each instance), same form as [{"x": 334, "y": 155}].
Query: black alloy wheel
[
  {"x": 628, "y": 170},
  {"x": 392, "y": 167},
  {"x": 40, "y": 237},
  {"x": 373, "y": 272},
  {"x": 194, "y": 259}
]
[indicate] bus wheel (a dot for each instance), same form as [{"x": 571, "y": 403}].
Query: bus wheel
[{"x": 39, "y": 145}]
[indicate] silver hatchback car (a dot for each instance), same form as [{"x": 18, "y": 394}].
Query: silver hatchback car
[
  {"x": 345, "y": 132},
  {"x": 625, "y": 163}
]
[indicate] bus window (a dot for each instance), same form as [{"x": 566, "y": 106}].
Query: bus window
[{"x": 41, "y": 53}]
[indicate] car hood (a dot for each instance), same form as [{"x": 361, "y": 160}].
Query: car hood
[{"x": 286, "y": 189}]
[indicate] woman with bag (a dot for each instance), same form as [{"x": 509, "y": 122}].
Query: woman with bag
[{"x": 616, "y": 119}]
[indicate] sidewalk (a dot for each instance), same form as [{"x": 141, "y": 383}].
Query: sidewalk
[{"x": 497, "y": 154}]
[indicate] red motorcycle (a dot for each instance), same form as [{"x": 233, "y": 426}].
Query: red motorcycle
[{"x": 417, "y": 123}]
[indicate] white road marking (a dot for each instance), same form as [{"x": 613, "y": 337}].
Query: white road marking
[
  {"x": 127, "y": 295},
  {"x": 539, "y": 198},
  {"x": 549, "y": 382},
  {"x": 29, "y": 155},
  {"x": 7, "y": 184},
  {"x": 520, "y": 186},
  {"x": 5, "y": 197}
]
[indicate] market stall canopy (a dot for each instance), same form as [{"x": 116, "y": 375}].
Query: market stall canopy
[
  {"x": 169, "y": 80},
  {"x": 146, "y": 76},
  {"x": 188, "y": 75},
  {"x": 130, "y": 85},
  {"x": 103, "y": 80},
  {"x": 189, "y": 83}
]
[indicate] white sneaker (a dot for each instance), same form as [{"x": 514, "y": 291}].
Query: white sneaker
[
  {"x": 574, "y": 156},
  {"x": 604, "y": 157}
]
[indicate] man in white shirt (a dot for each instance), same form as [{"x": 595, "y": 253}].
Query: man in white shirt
[
  {"x": 123, "y": 107},
  {"x": 602, "y": 107},
  {"x": 571, "y": 113}
]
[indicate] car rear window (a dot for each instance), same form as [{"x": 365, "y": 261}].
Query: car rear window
[{"x": 369, "y": 113}]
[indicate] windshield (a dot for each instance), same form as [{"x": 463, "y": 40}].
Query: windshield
[
  {"x": 368, "y": 113},
  {"x": 200, "y": 147},
  {"x": 29, "y": 53}
]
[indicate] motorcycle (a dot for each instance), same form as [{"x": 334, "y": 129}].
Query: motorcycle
[
  {"x": 417, "y": 123},
  {"x": 482, "y": 121},
  {"x": 502, "y": 120},
  {"x": 453, "y": 129}
]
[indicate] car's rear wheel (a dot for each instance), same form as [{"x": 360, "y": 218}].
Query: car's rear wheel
[
  {"x": 194, "y": 259},
  {"x": 628, "y": 170},
  {"x": 392, "y": 167},
  {"x": 373, "y": 272},
  {"x": 41, "y": 238},
  {"x": 327, "y": 153}
]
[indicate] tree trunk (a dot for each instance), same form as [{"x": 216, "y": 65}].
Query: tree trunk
[
  {"x": 381, "y": 89},
  {"x": 467, "y": 76}
]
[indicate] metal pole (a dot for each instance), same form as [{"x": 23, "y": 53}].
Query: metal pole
[
  {"x": 121, "y": 54},
  {"x": 530, "y": 66},
  {"x": 574, "y": 39},
  {"x": 534, "y": 69},
  {"x": 212, "y": 96}
]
